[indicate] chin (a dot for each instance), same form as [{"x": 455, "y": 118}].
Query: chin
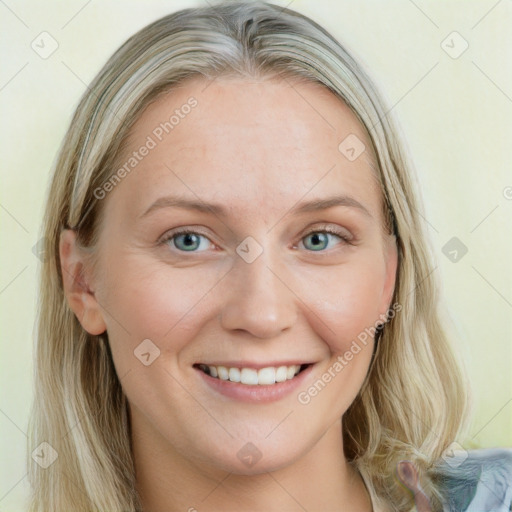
[{"x": 252, "y": 458}]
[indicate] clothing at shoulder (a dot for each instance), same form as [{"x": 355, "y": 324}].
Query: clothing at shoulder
[{"x": 477, "y": 480}]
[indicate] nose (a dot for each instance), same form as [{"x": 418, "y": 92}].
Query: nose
[{"x": 260, "y": 299}]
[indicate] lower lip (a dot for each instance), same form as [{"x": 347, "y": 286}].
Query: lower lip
[{"x": 255, "y": 393}]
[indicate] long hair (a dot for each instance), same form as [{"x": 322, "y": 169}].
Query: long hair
[{"x": 413, "y": 401}]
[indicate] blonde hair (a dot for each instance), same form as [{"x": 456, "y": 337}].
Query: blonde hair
[{"x": 413, "y": 401}]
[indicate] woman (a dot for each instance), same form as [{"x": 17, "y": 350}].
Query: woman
[{"x": 258, "y": 369}]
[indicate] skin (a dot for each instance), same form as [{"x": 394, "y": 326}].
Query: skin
[
  {"x": 408, "y": 475},
  {"x": 258, "y": 148}
]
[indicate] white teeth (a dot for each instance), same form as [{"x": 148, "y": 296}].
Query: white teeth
[
  {"x": 281, "y": 374},
  {"x": 249, "y": 376},
  {"x": 267, "y": 376},
  {"x": 290, "y": 372},
  {"x": 252, "y": 377},
  {"x": 222, "y": 371},
  {"x": 234, "y": 375}
]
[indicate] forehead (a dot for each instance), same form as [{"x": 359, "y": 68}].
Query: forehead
[{"x": 265, "y": 143}]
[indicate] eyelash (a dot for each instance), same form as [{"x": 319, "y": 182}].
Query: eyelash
[
  {"x": 323, "y": 229},
  {"x": 331, "y": 230}
]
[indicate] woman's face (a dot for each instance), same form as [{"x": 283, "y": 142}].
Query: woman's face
[{"x": 257, "y": 283}]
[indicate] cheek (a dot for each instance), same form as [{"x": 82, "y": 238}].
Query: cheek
[
  {"x": 144, "y": 300},
  {"x": 157, "y": 303},
  {"x": 343, "y": 309},
  {"x": 344, "y": 301},
  {"x": 153, "y": 301}
]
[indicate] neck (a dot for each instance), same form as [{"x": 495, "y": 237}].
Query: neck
[{"x": 321, "y": 480}]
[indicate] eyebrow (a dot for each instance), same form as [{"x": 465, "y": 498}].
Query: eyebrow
[{"x": 218, "y": 209}]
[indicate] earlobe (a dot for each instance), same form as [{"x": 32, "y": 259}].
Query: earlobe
[{"x": 80, "y": 297}]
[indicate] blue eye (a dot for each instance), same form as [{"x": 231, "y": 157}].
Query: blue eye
[
  {"x": 320, "y": 239},
  {"x": 191, "y": 241},
  {"x": 187, "y": 241}
]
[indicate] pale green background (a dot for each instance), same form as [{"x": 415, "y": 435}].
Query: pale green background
[{"x": 455, "y": 113}]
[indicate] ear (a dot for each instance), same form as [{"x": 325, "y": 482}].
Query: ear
[
  {"x": 391, "y": 258},
  {"x": 80, "y": 297}
]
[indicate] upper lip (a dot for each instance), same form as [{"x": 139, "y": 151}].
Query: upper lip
[{"x": 256, "y": 366}]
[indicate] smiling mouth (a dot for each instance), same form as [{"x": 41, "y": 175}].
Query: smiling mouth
[{"x": 252, "y": 377}]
